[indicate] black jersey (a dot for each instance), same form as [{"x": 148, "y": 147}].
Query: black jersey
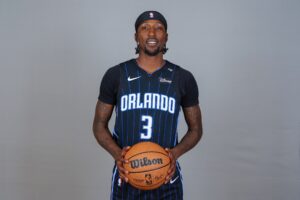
[
  {"x": 147, "y": 105},
  {"x": 147, "y": 108}
]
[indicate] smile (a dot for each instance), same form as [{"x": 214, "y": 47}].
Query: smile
[{"x": 152, "y": 42}]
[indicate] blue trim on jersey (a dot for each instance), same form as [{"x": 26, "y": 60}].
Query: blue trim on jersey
[
  {"x": 122, "y": 133},
  {"x": 115, "y": 134},
  {"x": 167, "y": 115},
  {"x": 180, "y": 174},
  {"x": 133, "y": 121},
  {"x": 139, "y": 91},
  {"x": 113, "y": 182},
  {"x": 170, "y": 142},
  {"x": 176, "y": 133},
  {"x": 179, "y": 170},
  {"x": 127, "y": 132},
  {"x": 149, "y": 86},
  {"x": 176, "y": 136},
  {"x": 159, "y": 122},
  {"x": 158, "y": 90}
]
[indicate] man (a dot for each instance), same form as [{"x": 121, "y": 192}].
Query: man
[{"x": 147, "y": 93}]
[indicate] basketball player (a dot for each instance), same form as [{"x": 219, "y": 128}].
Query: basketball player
[{"x": 147, "y": 92}]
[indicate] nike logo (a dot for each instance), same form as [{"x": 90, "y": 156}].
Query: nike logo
[
  {"x": 134, "y": 78},
  {"x": 173, "y": 180}
]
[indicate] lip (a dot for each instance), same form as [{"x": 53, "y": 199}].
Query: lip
[{"x": 152, "y": 42}]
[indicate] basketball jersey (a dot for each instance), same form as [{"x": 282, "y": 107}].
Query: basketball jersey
[{"x": 147, "y": 105}]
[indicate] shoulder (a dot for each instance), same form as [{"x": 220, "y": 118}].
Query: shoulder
[
  {"x": 115, "y": 70},
  {"x": 180, "y": 71},
  {"x": 187, "y": 86}
]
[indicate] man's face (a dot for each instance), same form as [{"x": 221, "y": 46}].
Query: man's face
[{"x": 152, "y": 37}]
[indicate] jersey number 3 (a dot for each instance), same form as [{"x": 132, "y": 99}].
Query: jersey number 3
[{"x": 147, "y": 127}]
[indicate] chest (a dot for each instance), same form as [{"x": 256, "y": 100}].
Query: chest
[
  {"x": 135, "y": 81},
  {"x": 139, "y": 90}
]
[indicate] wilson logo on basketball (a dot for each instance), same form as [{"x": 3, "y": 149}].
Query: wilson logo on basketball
[{"x": 145, "y": 162}]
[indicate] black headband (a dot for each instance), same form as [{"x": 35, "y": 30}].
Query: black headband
[{"x": 148, "y": 15}]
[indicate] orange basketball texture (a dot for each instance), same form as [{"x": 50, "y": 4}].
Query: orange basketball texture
[{"x": 148, "y": 165}]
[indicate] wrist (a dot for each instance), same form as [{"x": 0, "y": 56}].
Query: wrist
[
  {"x": 175, "y": 153},
  {"x": 117, "y": 155}
]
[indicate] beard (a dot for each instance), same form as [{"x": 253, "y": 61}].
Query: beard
[{"x": 152, "y": 53}]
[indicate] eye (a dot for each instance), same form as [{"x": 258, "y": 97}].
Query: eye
[
  {"x": 144, "y": 27},
  {"x": 159, "y": 27}
]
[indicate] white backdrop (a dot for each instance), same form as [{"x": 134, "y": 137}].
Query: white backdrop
[{"x": 244, "y": 54}]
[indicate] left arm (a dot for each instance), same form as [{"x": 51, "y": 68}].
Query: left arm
[{"x": 191, "y": 138}]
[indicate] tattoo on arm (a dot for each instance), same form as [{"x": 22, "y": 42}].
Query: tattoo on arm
[
  {"x": 193, "y": 118},
  {"x": 102, "y": 134},
  {"x": 103, "y": 113},
  {"x": 193, "y": 135}
]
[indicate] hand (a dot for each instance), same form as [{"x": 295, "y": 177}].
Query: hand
[
  {"x": 120, "y": 164},
  {"x": 172, "y": 168}
]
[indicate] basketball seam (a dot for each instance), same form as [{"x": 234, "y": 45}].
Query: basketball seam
[
  {"x": 149, "y": 169},
  {"x": 145, "y": 186},
  {"x": 147, "y": 152}
]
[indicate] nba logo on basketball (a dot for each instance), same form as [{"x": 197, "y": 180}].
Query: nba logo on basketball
[{"x": 148, "y": 179}]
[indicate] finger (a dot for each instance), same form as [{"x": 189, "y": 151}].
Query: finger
[
  {"x": 170, "y": 154},
  {"x": 127, "y": 148},
  {"x": 124, "y": 150},
  {"x": 172, "y": 167},
  {"x": 172, "y": 174},
  {"x": 123, "y": 160},
  {"x": 122, "y": 170},
  {"x": 168, "y": 178},
  {"x": 167, "y": 150},
  {"x": 123, "y": 153},
  {"x": 123, "y": 177},
  {"x": 123, "y": 174}
]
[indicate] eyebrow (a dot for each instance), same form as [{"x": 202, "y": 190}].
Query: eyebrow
[{"x": 152, "y": 23}]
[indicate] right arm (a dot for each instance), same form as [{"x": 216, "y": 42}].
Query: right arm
[{"x": 102, "y": 134}]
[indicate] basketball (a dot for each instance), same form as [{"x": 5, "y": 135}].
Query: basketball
[{"x": 148, "y": 165}]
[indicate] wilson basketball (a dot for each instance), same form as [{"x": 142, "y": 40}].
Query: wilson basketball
[{"x": 148, "y": 165}]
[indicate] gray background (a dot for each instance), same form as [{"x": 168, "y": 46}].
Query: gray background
[{"x": 244, "y": 55}]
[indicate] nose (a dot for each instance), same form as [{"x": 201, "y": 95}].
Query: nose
[{"x": 151, "y": 31}]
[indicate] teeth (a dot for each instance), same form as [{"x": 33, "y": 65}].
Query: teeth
[{"x": 152, "y": 41}]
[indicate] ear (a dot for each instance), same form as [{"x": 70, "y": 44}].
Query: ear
[
  {"x": 167, "y": 37},
  {"x": 135, "y": 37}
]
